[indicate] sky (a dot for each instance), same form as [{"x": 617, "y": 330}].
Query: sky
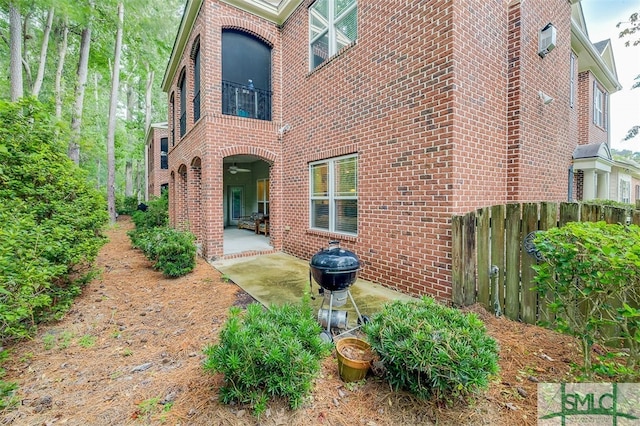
[{"x": 601, "y": 17}]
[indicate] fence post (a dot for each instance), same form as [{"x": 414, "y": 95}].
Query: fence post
[
  {"x": 483, "y": 255},
  {"x": 548, "y": 220},
  {"x": 512, "y": 273},
  {"x": 591, "y": 213},
  {"x": 529, "y": 305},
  {"x": 569, "y": 212},
  {"x": 497, "y": 256},
  {"x": 469, "y": 258}
]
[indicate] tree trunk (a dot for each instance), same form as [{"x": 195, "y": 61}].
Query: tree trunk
[
  {"x": 15, "y": 47},
  {"x": 111, "y": 133},
  {"x": 128, "y": 178},
  {"x": 62, "y": 53},
  {"x": 43, "y": 54},
  {"x": 76, "y": 117},
  {"x": 98, "y": 174},
  {"x": 131, "y": 102},
  {"x": 25, "y": 49},
  {"x": 147, "y": 99}
]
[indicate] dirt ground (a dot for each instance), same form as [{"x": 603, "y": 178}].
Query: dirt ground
[{"x": 129, "y": 352}]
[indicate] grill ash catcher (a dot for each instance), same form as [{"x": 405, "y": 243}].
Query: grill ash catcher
[{"x": 335, "y": 270}]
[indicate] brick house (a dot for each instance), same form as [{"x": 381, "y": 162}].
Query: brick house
[
  {"x": 374, "y": 122},
  {"x": 156, "y": 160}
]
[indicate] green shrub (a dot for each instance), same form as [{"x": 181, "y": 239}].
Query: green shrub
[
  {"x": 431, "y": 350},
  {"x": 51, "y": 218},
  {"x": 590, "y": 280},
  {"x": 268, "y": 353},
  {"x": 156, "y": 215},
  {"x": 173, "y": 252},
  {"x": 127, "y": 206}
]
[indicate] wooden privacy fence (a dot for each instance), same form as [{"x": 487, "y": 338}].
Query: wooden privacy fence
[{"x": 490, "y": 265}]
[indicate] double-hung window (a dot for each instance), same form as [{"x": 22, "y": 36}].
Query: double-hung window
[
  {"x": 164, "y": 149},
  {"x": 333, "y": 24},
  {"x": 334, "y": 195},
  {"x": 599, "y": 104},
  {"x": 625, "y": 191}
]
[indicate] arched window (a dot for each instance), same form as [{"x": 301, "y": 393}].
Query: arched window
[
  {"x": 246, "y": 75},
  {"x": 196, "y": 80},
  {"x": 182, "y": 85}
]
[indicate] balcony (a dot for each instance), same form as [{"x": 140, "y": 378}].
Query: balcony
[{"x": 243, "y": 100}]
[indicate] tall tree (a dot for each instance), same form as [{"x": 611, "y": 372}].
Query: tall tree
[
  {"x": 15, "y": 48},
  {"x": 62, "y": 54},
  {"x": 37, "y": 84},
  {"x": 81, "y": 83},
  {"x": 111, "y": 133}
]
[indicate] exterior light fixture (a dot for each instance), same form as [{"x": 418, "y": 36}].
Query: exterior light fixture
[
  {"x": 546, "y": 99},
  {"x": 546, "y": 40}
]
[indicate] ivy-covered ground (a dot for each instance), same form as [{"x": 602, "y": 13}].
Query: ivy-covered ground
[{"x": 130, "y": 349}]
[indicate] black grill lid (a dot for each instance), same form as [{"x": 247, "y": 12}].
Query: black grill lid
[{"x": 334, "y": 258}]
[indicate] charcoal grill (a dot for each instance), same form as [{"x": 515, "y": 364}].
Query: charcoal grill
[{"x": 335, "y": 270}]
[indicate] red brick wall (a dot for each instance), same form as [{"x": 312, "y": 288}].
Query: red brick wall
[
  {"x": 439, "y": 100},
  {"x": 215, "y": 136},
  {"x": 541, "y": 137},
  {"x": 156, "y": 176},
  {"x": 588, "y": 132}
]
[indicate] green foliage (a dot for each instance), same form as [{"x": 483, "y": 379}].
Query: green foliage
[
  {"x": 7, "y": 389},
  {"x": 126, "y": 205},
  {"x": 590, "y": 278},
  {"x": 431, "y": 350},
  {"x": 265, "y": 353},
  {"x": 52, "y": 220},
  {"x": 157, "y": 214},
  {"x": 173, "y": 252}
]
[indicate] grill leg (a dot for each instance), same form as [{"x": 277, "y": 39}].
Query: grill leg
[
  {"x": 329, "y": 317},
  {"x": 355, "y": 306}
]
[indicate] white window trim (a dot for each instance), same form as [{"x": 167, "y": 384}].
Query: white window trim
[
  {"x": 625, "y": 189},
  {"x": 331, "y": 29},
  {"x": 331, "y": 197},
  {"x": 572, "y": 79},
  {"x": 598, "y": 105}
]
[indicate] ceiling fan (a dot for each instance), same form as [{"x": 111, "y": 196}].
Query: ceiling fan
[{"x": 235, "y": 169}]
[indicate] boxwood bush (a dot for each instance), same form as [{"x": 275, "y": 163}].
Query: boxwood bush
[
  {"x": 432, "y": 351},
  {"x": 173, "y": 252},
  {"x": 265, "y": 353}
]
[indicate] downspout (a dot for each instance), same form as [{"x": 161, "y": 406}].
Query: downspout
[{"x": 570, "y": 189}]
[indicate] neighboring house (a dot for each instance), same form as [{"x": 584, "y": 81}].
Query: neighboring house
[
  {"x": 373, "y": 122},
  {"x": 625, "y": 181},
  {"x": 156, "y": 160}
]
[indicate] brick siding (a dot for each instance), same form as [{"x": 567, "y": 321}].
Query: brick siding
[{"x": 438, "y": 99}]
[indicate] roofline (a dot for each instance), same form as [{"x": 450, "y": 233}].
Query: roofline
[
  {"x": 611, "y": 80},
  {"x": 276, "y": 14},
  {"x": 162, "y": 125},
  {"x": 191, "y": 11}
]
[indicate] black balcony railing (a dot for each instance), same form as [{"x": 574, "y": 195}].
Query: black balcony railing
[{"x": 244, "y": 101}]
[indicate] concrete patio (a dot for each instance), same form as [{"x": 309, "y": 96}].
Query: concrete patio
[{"x": 278, "y": 278}]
